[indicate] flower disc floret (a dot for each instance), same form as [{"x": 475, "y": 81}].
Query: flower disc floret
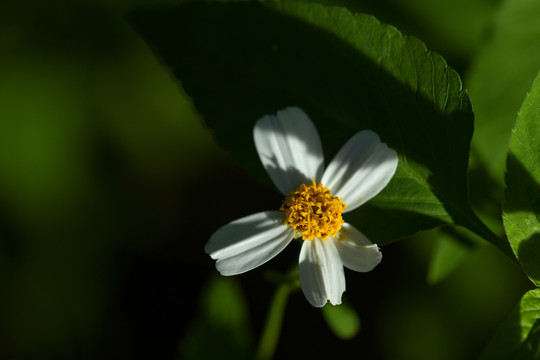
[{"x": 313, "y": 211}]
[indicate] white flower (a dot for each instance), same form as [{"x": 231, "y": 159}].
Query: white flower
[{"x": 290, "y": 150}]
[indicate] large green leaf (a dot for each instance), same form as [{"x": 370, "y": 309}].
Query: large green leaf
[
  {"x": 349, "y": 72},
  {"x": 518, "y": 336},
  {"x": 499, "y": 77},
  {"x": 522, "y": 196}
]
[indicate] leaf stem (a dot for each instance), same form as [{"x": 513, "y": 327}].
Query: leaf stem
[
  {"x": 272, "y": 329},
  {"x": 474, "y": 224}
]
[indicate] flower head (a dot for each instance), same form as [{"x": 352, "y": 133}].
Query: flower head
[
  {"x": 312, "y": 211},
  {"x": 290, "y": 150}
]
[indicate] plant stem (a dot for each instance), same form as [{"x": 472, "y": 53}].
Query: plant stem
[
  {"x": 274, "y": 320},
  {"x": 474, "y": 224}
]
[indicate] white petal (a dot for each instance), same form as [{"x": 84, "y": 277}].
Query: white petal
[
  {"x": 321, "y": 272},
  {"x": 249, "y": 242},
  {"x": 289, "y": 148},
  {"x": 356, "y": 251},
  {"x": 361, "y": 169}
]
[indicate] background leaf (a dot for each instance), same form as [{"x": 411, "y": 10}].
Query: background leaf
[
  {"x": 522, "y": 195},
  {"x": 452, "y": 245},
  {"x": 342, "y": 320},
  {"x": 499, "y": 77},
  {"x": 518, "y": 335},
  {"x": 240, "y": 61}
]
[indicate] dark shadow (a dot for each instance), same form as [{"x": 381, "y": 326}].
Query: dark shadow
[
  {"x": 522, "y": 195},
  {"x": 529, "y": 256},
  {"x": 522, "y": 190},
  {"x": 486, "y": 193},
  {"x": 463, "y": 236},
  {"x": 11, "y": 241},
  {"x": 381, "y": 225}
]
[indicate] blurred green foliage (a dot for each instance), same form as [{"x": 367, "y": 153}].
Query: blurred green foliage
[
  {"x": 110, "y": 186},
  {"x": 94, "y": 140}
]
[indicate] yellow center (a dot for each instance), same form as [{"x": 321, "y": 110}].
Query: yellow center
[{"x": 313, "y": 211}]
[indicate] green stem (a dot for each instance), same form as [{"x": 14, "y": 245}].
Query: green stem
[
  {"x": 274, "y": 319},
  {"x": 476, "y": 225}
]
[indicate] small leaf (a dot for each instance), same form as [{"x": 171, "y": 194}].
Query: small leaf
[
  {"x": 342, "y": 320},
  {"x": 519, "y": 334},
  {"x": 521, "y": 208},
  {"x": 242, "y": 60}
]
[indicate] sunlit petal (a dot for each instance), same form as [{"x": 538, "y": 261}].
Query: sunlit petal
[
  {"x": 246, "y": 243},
  {"x": 356, "y": 251},
  {"x": 361, "y": 169},
  {"x": 289, "y": 148},
  {"x": 321, "y": 272}
]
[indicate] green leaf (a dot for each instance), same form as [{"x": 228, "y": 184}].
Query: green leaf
[
  {"x": 521, "y": 208},
  {"x": 239, "y": 61},
  {"x": 500, "y": 76},
  {"x": 342, "y": 320},
  {"x": 518, "y": 337},
  {"x": 452, "y": 246},
  {"x": 221, "y": 321}
]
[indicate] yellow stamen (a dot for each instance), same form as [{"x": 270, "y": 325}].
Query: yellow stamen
[{"x": 313, "y": 211}]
